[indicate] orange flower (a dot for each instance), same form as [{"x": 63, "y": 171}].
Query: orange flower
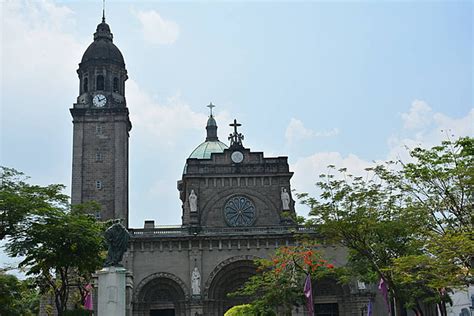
[{"x": 330, "y": 266}]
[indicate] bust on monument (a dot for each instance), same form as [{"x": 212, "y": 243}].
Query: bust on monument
[
  {"x": 193, "y": 201},
  {"x": 285, "y": 199},
  {"x": 116, "y": 237},
  {"x": 196, "y": 282}
]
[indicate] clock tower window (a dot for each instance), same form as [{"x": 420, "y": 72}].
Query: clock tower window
[
  {"x": 98, "y": 216},
  {"x": 116, "y": 84},
  {"x": 98, "y": 156},
  {"x": 85, "y": 86},
  {"x": 100, "y": 82},
  {"x": 98, "y": 129}
]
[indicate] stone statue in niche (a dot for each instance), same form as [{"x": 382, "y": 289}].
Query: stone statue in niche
[
  {"x": 196, "y": 282},
  {"x": 116, "y": 237},
  {"x": 193, "y": 201},
  {"x": 285, "y": 199}
]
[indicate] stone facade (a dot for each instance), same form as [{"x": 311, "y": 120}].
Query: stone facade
[
  {"x": 240, "y": 207},
  {"x": 101, "y": 129}
]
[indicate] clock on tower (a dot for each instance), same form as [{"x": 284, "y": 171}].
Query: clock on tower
[{"x": 101, "y": 129}]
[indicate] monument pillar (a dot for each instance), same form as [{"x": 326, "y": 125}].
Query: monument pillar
[{"x": 112, "y": 283}]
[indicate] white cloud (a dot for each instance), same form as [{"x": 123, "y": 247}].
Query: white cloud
[
  {"x": 307, "y": 170},
  {"x": 37, "y": 50},
  {"x": 296, "y": 131},
  {"x": 421, "y": 126},
  {"x": 432, "y": 129},
  {"x": 165, "y": 122},
  {"x": 156, "y": 29},
  {"x": 419, "y": 116}
]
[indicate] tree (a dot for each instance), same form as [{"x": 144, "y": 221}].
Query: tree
[
  {"x": 21, "y": 202},
  {"x": 17, "y": 297},
  {"x": 240, "y": 310},
  {"x": 410, "y": 224},
  {"x": 61, "y": 246},
  {"x": 278, "y": 285},
  {"x": 60, "y": 249}
]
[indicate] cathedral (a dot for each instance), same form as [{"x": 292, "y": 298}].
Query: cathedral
[{"x": 237, "y": 206}]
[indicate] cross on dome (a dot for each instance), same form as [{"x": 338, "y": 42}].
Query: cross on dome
[{"x": 211, "y": 106}]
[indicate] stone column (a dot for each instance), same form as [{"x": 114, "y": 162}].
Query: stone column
[{"x": 111, "y": 298}]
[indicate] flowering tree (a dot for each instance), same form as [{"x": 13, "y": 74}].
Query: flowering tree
[
  {"x": 278, "y": 284},
  {"x": 409, "y": 223}
]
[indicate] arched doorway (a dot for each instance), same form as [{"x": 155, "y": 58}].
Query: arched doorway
[
  {"x": 160, "y": 294},
  {"x": 329, "y": 297},
  {"x": 228, "y": 276}
]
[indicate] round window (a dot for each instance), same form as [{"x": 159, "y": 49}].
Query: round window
[{"x": 239, "y": 211}]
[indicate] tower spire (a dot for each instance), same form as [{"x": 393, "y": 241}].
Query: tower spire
[
  {"x": 211, "y": 126},
  {"x": 103, "y": 11}
]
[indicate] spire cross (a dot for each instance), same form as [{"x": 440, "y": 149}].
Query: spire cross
[
  {"x": 210, "y": 106},
  {"x": 235, "y": 125}
]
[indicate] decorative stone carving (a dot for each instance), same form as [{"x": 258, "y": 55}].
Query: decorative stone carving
[
  {"x": 285, "y": 199},
  {"x": 192, "y": 201},
  {"x": 196, "y": 282},
  {"x": 239, "y": 211}
]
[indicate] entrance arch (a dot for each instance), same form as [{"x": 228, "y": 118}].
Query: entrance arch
[
  {"x": 160, "y": 294},
  {"x": 226, "y": 278}
]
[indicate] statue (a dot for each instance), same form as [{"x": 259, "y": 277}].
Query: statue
[
  {"x": 116, "y": 237},
  {"x": 193, "y": 201},
  {"x": 285, "y": 199},
  {"x": 196, "y": 282}
]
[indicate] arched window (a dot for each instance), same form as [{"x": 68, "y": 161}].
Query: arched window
[
  {"x": 100, "y": 82},
  {"x": 85, "y": 86},
  {"x": 116, "y": 84}
]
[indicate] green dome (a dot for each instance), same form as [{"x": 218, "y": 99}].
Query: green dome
[{"x": 205, "y": 150}]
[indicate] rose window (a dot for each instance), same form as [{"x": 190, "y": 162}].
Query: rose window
[{"x": 239, "y": 211}]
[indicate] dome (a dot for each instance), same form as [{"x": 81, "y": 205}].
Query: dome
[
  {"x": 205, "y": 150},
  {"x": 211, "y": 121},
  {"x": 103, "y": 49}
]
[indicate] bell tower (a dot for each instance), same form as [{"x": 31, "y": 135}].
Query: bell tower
[{"x": 101, "y": 128}]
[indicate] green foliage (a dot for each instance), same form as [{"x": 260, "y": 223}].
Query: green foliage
[
  {"x": 278, "y": 285},
  {"x": 60, "y": 247},
  {"x": 21, "y": 203},
  {"x": 410, "y": 223},
  {"x": 18, "y": 297},
  {"x": 240, "y": 310}
]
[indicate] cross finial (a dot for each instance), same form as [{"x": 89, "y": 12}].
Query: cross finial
[
  {"x": 236, "y": 137},
  {"x": 103, "y": 11},
  {"x": 211, "y": 106},
  {"x": 235, "y": 125}
]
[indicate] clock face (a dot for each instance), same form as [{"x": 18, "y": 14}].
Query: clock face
[
  {"x": 237, "y": 157},
  {"x": 99, "y": 100}
]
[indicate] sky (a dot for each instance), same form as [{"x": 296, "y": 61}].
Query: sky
[{"x": 343, "y": 83}]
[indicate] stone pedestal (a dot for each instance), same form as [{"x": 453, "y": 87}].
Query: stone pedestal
[
  {"x": 196, "y": 307},
  {"x": 113, "y": 283}
]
